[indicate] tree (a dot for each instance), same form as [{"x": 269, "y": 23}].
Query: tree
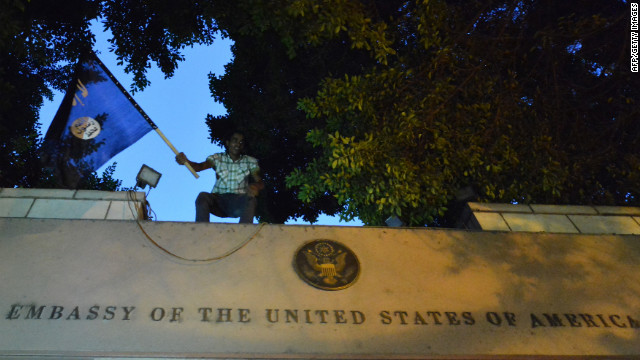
[
  {"x": 433, "y": 96},
  {"x": 523, "y": 101},
  {"x": 41, "y": 41}
]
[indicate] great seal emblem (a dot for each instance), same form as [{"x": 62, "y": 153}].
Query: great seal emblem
[{"x": 327, "y": 265}]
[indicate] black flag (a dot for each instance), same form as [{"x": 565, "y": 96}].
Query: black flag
[{"x": 96, "y": 120}]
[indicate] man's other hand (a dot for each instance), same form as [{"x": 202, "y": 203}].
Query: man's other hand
[{"x": 253, "y": 190}]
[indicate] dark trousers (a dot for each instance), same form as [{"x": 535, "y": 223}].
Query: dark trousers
[{"x": 225, "y": 205}]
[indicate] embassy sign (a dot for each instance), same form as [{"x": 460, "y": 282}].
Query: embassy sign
[
  {"x": 309, "y": 317},
  {"x": 75, "y": 288}
]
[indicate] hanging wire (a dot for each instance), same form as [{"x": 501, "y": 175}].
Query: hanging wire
[
  {"x": 132, "y": 199},
  {"x": 149, "y": 211}
]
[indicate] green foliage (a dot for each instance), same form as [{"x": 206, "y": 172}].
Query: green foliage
[
  {"x": 145, "y": 31},
  {"x": 503, "y": 106},
  {"x": 92, "y": 181},
  {"x": 278, "y": 59}
]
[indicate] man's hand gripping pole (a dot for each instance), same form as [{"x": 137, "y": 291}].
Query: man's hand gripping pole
[{"x": 175, "y": 151}]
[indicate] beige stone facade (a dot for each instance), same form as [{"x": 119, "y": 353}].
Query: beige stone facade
[{"x": 528, "y": 282}]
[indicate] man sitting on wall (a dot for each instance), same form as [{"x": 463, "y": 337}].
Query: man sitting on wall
[{"x": 237, "y": 184}]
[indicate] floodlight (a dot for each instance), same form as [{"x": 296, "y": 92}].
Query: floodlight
[{"x": 147, "y": 176}]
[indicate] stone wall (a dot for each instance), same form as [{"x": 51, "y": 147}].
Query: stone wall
[
  {"x": 85, "y": 289},
  {"x": 552, "y": 218},
  {"x": 76, "y": 285},
  {"x": 71, "y": 204}
]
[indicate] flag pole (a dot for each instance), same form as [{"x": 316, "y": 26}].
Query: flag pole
[
  {"x": 144, "y": 115},
  {"x": 175, "y": 151}
]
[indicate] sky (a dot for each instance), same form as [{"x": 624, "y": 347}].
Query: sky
[{"x": 178, "y": 106}]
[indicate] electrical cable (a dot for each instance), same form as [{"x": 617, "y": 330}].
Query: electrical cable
[{"x": 132, "y": 198}]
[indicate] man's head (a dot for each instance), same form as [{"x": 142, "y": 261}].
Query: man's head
[{"x": 235, "y": 145}]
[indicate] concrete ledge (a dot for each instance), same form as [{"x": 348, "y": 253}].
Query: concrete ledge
[
  {"x": 563, "y": 209},
  {"x": 104, "y": 195},
  {"x": 540, "y": 223},
  {"x": 553, "y": 218},
  {"x": 617, "y": 210},
  {"x": 491, "y": 222},
  {"x": 518, "y": 208},
  {"x": 72, "y": 204},
  {"x": 68, "y": 209},
  {"x": 123, "y": 210},
  {"x": 605, "y": 224},
  {"x": 14, "y": 207},
  {"x": 37, "y": 193}
]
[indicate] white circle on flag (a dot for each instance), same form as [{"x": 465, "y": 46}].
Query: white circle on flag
[{"x": 85, "y": 128}]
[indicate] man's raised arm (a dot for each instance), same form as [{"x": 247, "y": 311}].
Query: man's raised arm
[{"x": 181, "y": 159}]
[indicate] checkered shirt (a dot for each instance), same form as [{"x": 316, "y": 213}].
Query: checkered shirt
[{"x": 232, "y": 176}]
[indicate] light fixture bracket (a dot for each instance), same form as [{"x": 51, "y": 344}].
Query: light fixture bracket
[{"x": 147, "y": 176}]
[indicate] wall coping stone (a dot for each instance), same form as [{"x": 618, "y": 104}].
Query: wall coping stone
[
  {"x": 37, "y": 193},
  {"x": 584, "y": 219},
  {"x": 550, "y": 223},
  {"x": 606, "y": 224},
  {"x": 106, "y": 195},
  {"x": 563, "y": 209},
  {"x": 617, "y": 210},
  {"x": 498, "y": 207},
  {"x": 71, "y": 204},
  {"x": 69, "y": 194}
]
